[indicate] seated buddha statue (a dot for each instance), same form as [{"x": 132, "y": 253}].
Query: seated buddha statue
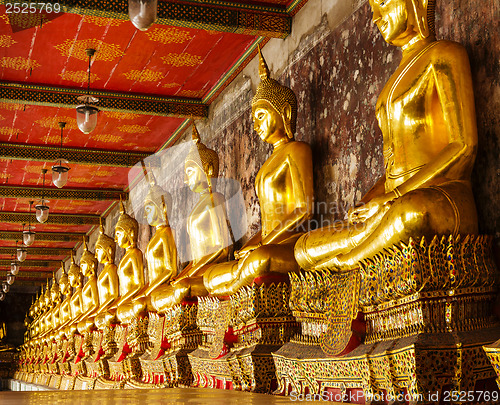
[
  {"x": 55, "y": 294},
  {"x": 76, "y": 302},
  {"x": 130, "y": 269},
  {"x": 284, "y": 186},
  {"x": 426, "y": 114},
  {"x": 107, "y": 282},
  {"x": 161, "y": 252},
  {"x": 65, "y": 308},
  {"x": 90, "y": 294},
  {"x": 206, "y": 226}
]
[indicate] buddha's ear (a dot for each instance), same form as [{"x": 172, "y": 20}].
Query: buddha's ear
[
  {"x": 421, "y": 16},
  {"x": 287, "y": 118}
]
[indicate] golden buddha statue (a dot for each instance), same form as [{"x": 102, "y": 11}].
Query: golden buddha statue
[
  {"x": 107, "y": 282},
  {"x": 284, "y": 186},
  {"x": 65, "y": 308},
  {"x": 161, "y": 252},
  {"x": 90, "y": 294},
  {"x": 207, "y": 228},
  {"x": 426, "y": 114},
  {"x": 55, "y": 293},
  {"x": 130, "y": 269},
  {"x": 76, "y": 301}
]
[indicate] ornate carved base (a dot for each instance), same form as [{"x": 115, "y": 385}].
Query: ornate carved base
[
  {"x": 84, "y": 383},
  {"x": 493, "y": 353},
  {"x": 55, "y": 381},
  {"x": 413, "y": 368},
  {"x": 240, "y": 335},
  {"x": 106, "y": 384},
  {"x": 67, "y": 382}
]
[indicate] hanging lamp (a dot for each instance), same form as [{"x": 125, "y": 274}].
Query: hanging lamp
[
  {"x": 2, "y": 295},
  {"x": 21, "y": 251},
  {"x": 142, "y": 13},
  {"x": 42, "y": 210},
  {"x": 60, "y": 169},
  {"x": 86, "y": 113},
  {"x": 5, "y": 287},
  {"x": 14, "y": 266},
  {"x": 10, "y": 278},
  {"x": 29, "y": 235}
]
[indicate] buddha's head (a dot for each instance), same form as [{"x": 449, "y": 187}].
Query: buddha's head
[
  {"x": 55, "y": 292},
  {"x": 126, "y": 230},
  {"x": 74, "y": 274},
  {"x": 274, "y": 107},
  {"x": 64, "y": 285},
  {"x": 402, "y": 21},
  {"x": 47, "y": 297},
  {"x": 201, "y": 165},
  {"x": 88, "y": 262},
  {"x": 105, "y": 247},
  {"x": 153, "y": 206}
]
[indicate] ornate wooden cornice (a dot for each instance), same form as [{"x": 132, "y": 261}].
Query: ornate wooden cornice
[
  {"x": 8, "y": 250},
  {"x": 74, "y": 155},
  {"x": 52, "y": 264},
  {"x": 54, "y": 219},
  {"x": 61, "y": 194},
  {"x": 213, "y": 15},
  {"x": 45, "y": 236},
  {"x": 108, "y": 101},
  {"x": 28, "y": 275}
]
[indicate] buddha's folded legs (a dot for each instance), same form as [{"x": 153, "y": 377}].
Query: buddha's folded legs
[
  {"x": 169, "y": 295},
  {"x": 227, "y": 278},
  {"x": 105, "y": 319},
  {"x": 129, "y": 311},
  {"x": 445, "y": 210}
]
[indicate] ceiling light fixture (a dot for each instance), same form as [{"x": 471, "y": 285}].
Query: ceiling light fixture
[
  {"x": 86, "y": 113},
  {"x": 29, "y": 235},
  {"x": 14, "y": 266},
  {"x": 60, "y": 169},
  {"x": 5, "y": 287},
  {"x": 10, "y": 278},
  {"x": 42, "y": 210},
  {"x": 142, "y": 13},
  {"x": 2, "y": 295},
  {"x": 21, "y": 251}
]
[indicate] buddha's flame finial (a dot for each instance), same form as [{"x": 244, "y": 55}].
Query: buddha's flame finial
[
  {"x": 62, "y": 268},
  {"x": 122, "y": 207},
  {"x": 101, "y": 226},
  {"x": 84, "y": 243},
  {"x": 263, "y": 69},
  {"x": 196, "y": 135},
  {"x": 72, "y": 258}
]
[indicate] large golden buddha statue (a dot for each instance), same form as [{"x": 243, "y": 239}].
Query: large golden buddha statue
[
  {"x": 130, "y": 269},
  {"x": 107, "y": 282},
  {"x": 65, "y": 308},
  {"x": 426, "y": 114},
  {"x": 90, "y": 294},
  {"x": 207, "y": 228},
  {"x": 161, "y": 252},
  {"x": 284, "y": 186},
  {"x": 76, "y": 301}
]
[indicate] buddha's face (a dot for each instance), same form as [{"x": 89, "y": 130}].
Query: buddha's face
[
  {"x": 122, "y": 238},
  {"x": 64, "y": 286},
  {"x": 195, "y": 177},
  {"x": 54, "y": 293},
  {"x": 74, "y": 278},
  {"x": 87, "y": 266},
  {"x": 151, "y": 213},
  {"x": 267, "y": 122},
  {"x": 391, "y": 18}
]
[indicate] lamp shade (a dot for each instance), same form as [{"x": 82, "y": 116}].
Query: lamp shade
[
  {"x": 14, "y": 267},
  {"x": 142, "y": 13},
  {"x": 42, "y": 212},
  {"x": 2, "y": 295},
  {"x": 21, "y": 254},
  {"x": 28, "y": 237},
  {"x": 10, "y": 278},
  {"x": 5, "y": 287},
  {"x": 86, "y": 118},
  {"x": 60, "y": 173}
]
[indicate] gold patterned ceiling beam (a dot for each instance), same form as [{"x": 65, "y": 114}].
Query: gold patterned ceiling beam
[
  {"x": 8, "y": 250},
  {"x": 54, "y": 219},
  {"x": 61, "y": 194},
  {"x": 74, "y": 155},
  {"x": 45, "y": 236},
  {"x": 108, "y": 101},
  {"x": 239, "y": 18},
  {"x": 52, "y": 264},
  {"x": 28, "y": 275}
]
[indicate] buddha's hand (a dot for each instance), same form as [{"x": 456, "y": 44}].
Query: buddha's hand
[
  {"x": 361, "y": 212},
  {"x": 245, "y": 251}
]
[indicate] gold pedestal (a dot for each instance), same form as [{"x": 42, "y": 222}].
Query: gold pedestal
[
  {"x": 239, "y": 336},
  {"x": 55, "y": 381},
  {"x": 428, "y": 310},
  {"x": 493, "y": 353}
]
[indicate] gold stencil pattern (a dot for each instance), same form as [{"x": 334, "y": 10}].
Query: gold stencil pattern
[
  {"x": 18, "y": 63},
  {"x": 33, "y": 169},
  {"x": 77, "y": 202},
  {"x": 121, "y": 116},
  {"x": 181, "y": 59},
  {"x": 80, "y": 76},
  {"x": 79, "y": 180},
  {"x": 5, "y": 175},
  {"x": 169, "y": 35},
  {"x": 105, "y": 52},
  {"x": 5, "y": 19},
  {"x": 12, "y": 106},
  {"x": 9, "y": 131},
  {"x": 146, "y": 75},
  {"x": 1, "y": 118},
  {"x": 6, "y": 41},
  {"x": 53, "y": 122},
  {"x": 102, "y": 173},
  {"x": 192, "y": 93},
  {"x": 107, "y": 138},
  {"x": 55, "y": 139},
  {"x": 134, "y": 129},
  {"x": 101, "y": 21},
  {"x": 170, "y": 85}
]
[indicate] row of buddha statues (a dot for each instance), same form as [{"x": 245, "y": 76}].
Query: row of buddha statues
[{"x": 427, "y": 118}]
